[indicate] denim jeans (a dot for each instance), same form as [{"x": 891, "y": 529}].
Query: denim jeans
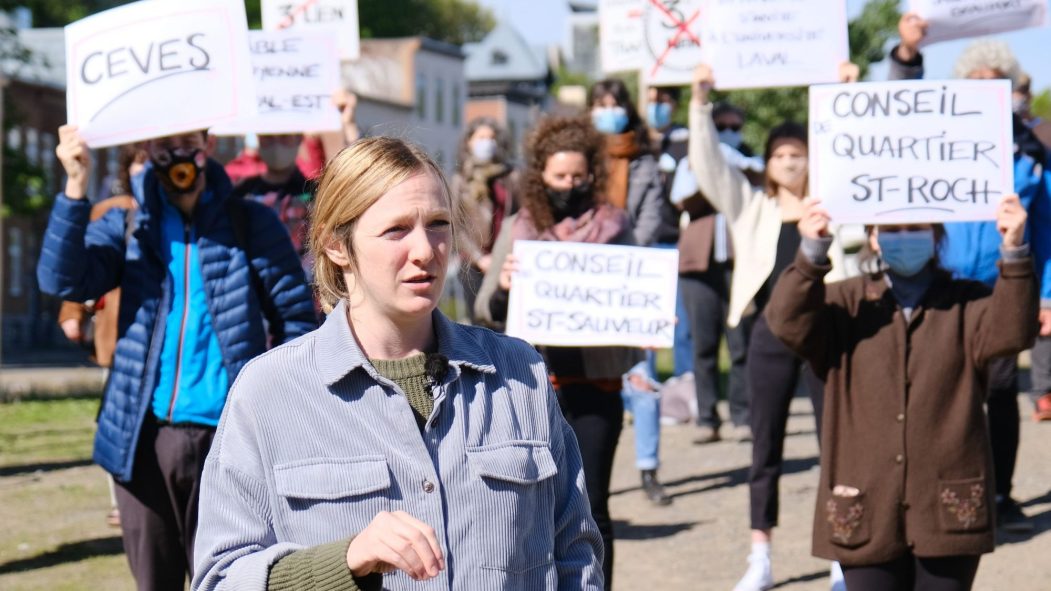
[
  {"x": 645, "y": 408},
  {"x": 682, "y": 343}
]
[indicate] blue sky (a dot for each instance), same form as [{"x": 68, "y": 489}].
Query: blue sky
[{"x": 544, "y": 22}]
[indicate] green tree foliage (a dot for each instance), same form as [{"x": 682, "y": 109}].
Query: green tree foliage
[
  {"x": 453, "y": 21},
  {"x": 1041, "y": 106},
  {"x": 23, "y": 182}
]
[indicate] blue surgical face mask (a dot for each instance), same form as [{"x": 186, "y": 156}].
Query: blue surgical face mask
[
  {"x": 658, "y": 114},
  {"x": 609, "y": 119},
  {"x": 730, "y": 138},
  {"x": 906, "y": 253}
]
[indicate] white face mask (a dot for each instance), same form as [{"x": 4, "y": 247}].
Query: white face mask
[
  {"x": 730, "y": 138},
  {"x": 483, "y": 149},
  {"x": 279, "y": 156}
]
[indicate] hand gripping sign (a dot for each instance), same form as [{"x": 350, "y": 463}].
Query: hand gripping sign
[
  {"x": 295, "y": 72},
  {"x": 338, "y": 16},
  {"x": 578, "y": 294},
  {"x": 911, "y": 151},
  {"x": 959, "y": 19},
  {"x": 156, "y": 68}
]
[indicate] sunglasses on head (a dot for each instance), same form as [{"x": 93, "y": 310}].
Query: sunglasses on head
[{"x": 724, "y": 127}]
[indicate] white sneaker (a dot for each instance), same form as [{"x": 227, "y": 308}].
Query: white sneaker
[
  {"x": 759, "y": 576},
  {"x": 835, "y": 578}
]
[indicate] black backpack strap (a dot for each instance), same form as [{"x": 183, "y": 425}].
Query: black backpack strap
[{"x": 238, "y": 213}]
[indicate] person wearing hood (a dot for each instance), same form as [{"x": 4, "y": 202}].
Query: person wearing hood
[{"x": 194, "y": 294}]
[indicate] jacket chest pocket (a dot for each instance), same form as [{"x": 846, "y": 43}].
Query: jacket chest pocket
[
  {"x": 515, "y": 509},
  {"x": 327, "y": 499}
]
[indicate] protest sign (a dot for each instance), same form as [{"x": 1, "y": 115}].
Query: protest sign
[
  {"x": 580, "y": 294},
  {"x": 911, "y": 151},
  {"x": 748, "y": 44},
  {"x": 338, "y": 16},
  {"x": 958, "y": 19},
  {"x": 295, "y": 74},
  {"x": 156, "y": 68},
  {"x": 774, "y": 43},
  {"x": 620, "y": 35}
]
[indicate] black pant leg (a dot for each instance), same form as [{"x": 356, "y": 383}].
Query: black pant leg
[
  {"x": 181, "y": 453},
  {"x": 948, "y": 573},
  {"x": 736, "y": 390},
  {"x": 772, "y": 374},
  {"x": 896, "y": 575},
  {"x": 596, "y": 418},
  {"x": 1003, "y": 413},
  {"x": 706, "y": 314},
  {"x": 150, "y": 528}
]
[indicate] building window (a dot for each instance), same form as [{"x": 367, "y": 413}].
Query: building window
[
  {"x": 32, "y": 146},
  {"x": 499, "y": 58},
  {"x": 14, "y": 262},
  {"x": 439, "y": 100},
  {"x": 47, "y": 155},
  {"x": 421, "y": 96},
  {"x": 457, "y": 106},
  {"x": 14, "y": 138}
]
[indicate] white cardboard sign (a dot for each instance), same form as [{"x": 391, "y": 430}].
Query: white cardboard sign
[
  {"x": 748, "y": 44},
  {"x": 580, "y": 294},
  {"x": 295, "y": 72},
  {"x": 774, "y": 43},
  {"x": 157, "y": 67},
  {"x": 620, "y": 35},
  {"x": 958, "y": 19},
  {"x": 339, "y": 16},
  {"x": 911, "y": 151}
]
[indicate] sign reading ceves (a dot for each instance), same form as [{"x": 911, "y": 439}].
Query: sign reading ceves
[
  {"x": 295, "y": 75},
  {"x": 579, "y": 294},
  {"x": 911, "y": 151},
  {"x": 156, "y": 68}
]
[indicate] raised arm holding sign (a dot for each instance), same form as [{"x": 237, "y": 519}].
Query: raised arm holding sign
[
  {"x": 156, "y": 68},
  {"x": 959, "y": 19}
]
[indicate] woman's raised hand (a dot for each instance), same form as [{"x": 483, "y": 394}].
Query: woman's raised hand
[
  {"x": 509, "y": 268},
  {"x": 396, "y": 541},
  {"x": 703, "y": 83},
  {"x": 849, "y": 72},
  {"x": 73, "y": 153},
  {"x": 814, "y": 223},
  {"x": 1010, "y": 221}
]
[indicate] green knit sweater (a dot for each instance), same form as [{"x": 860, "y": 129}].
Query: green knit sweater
[{"x": 324, "y": 567}]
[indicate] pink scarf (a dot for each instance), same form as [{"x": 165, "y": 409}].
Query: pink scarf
[{"x": 598, "y": 225}]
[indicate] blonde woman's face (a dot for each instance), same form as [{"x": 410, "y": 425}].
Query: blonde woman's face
[{"x": 401, "y": 247}]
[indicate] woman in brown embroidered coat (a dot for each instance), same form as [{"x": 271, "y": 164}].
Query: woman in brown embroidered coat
[{"x": 906, "y": 476}]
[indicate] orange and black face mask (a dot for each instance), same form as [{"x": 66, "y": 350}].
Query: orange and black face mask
[{"x": 178, "y": 170}]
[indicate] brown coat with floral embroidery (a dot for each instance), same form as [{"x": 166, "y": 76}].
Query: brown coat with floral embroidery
[{"x": 904, "y": 425}]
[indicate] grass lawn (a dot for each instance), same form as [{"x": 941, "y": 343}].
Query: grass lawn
[{"x": 53, "y": 501}]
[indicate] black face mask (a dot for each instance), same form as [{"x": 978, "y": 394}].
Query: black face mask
[
  {"x": 178, "y": 169},
  {"x": 569, "y": 202}
]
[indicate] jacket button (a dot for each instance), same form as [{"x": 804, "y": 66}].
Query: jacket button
[
  {"x": 905, "y": 505},
  {"x": 899, "y": 458},
  {"x": 428, "y": 486},
  {"x": 901, "y": 417}
]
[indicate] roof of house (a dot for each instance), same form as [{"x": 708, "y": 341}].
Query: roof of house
[{"x": 504, "y": 55}]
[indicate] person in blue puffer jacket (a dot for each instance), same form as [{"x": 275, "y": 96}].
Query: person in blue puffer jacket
[
  {"x": 971, "y": 249},
  {"x": 198, "y": 276}
]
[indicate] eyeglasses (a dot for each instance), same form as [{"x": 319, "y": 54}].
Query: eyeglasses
[{"x": 724, "y": 127}]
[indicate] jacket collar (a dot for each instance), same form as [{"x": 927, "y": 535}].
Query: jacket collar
[
  {"x": 338, "y": 353},
  {"x": 147, "y": 190}
]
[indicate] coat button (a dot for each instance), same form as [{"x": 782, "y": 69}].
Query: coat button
[
  {"x": 905, "y": 505},
  {"x": 899, "y": 458},
  {"x": 428, "y": 486},
  {"x": 901, "y": 417}
]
